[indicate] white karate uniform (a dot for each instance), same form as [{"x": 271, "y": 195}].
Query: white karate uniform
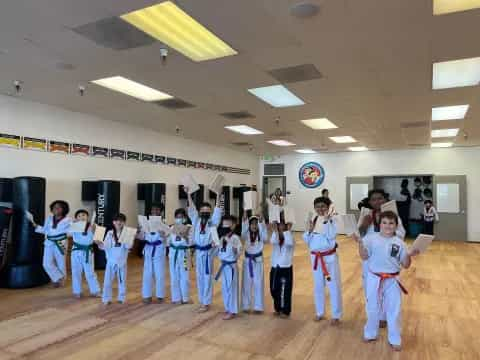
[
  {"x": 323, "y": 242},
  {"x": 204, "y": 257},
  {"x": 82, "y": 260},
  {"x": 253, "y": 272},
  {"x": 281, "y": 273},
  {"x": 386, "y": 255},
  {"x": 179, "y": 261},
  {"x": 117, "y": 255},
  {"x": 54, "y": 247},
  {"x": 228, "y": 271},
  {"x": 153, "y": 265}
]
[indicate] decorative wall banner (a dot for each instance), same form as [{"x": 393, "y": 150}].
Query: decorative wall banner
[
  {"x": 311, "y": 175},
  {"x": 13, "y": 141},
  {"x": 54, "y": 146}
]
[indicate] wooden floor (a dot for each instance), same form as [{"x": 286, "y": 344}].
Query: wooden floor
[{"x": 441, "y": 319}]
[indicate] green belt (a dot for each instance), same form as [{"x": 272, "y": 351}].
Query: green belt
[
  {"x": 178, "y": 247},
  {"x": 57, "y": 240},
  {"x": 86, "y": 248}
]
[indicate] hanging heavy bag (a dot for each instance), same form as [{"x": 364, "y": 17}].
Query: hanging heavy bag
[{"x": 404, "y": 184}]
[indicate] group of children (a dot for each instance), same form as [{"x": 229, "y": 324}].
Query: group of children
[{"x": 380, "y": 243}]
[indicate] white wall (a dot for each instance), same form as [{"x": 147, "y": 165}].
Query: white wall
[
  {"x": 339, "y": 166},
  {"x": 65, "y": 172}
]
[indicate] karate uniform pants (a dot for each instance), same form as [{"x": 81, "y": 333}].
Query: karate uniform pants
[
  {"x": 253, "y": 287},
  {"x": 230, "y": 288},
  {"x": 54, "y": 263},
  {"x": 153, "y": 272},
  {"x": 80, "y": 266},
  {"x": 365, "y": 273},
  {"x": 281, "y": 285},
  {"x": 112, "y": 271},
  {"x": 204, "y": 280},
  {"x": 179, "y": 276}
]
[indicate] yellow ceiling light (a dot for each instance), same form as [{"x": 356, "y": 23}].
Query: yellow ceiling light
[
  {"x": 132, "y": 88},
  {"x": 441, "y": 7},
  {"x": 169, "y": 24}
]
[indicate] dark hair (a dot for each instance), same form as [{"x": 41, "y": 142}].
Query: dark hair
[
  {"x": 324, "y": 191},
  {"x": 63, "y": 204},
  {"x": 231, "y": 218},
  {"x": 252, "y": 219},
  {"x": 81, "y": 211},
  {"x": 120, "y": 217},
  {"x": 205, "y": 204},
  {"x": 180, "y": 211},
  {"x": 377, "y": 191},
  {"x": 389, "y": 215},
  {"x": 157, "y": 205},
  {"x": 428, "y": 201},
  {"x": 322, "y": 200}
]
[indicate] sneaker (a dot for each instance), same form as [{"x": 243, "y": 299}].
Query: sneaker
[
  {"x": 335, "y": 322},
  {"x": 159, "y": 300},
  {"x": 319, "y": 318},
  {"x": 77, "y": 296},
  {"x": 147, "y": 300},
  {"x": 228, "y": 316},
  {"x": 202, "y": 309},
  {"x": 382, "y": 324},
  {"x": 396, "y": 347}
]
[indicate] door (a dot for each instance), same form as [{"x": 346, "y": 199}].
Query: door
[
  {"x": 450, "y": 200},
  {"x": 357, "y": 190}
]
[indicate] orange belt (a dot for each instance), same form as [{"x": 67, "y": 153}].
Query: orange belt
[
  {"x": 384, "y": 276},
  {"x": 320, "y": 255}
]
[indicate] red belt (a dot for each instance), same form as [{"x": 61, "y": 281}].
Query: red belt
[
  {"x": 384, "y": 276},
  {"x": 320, "y": 255}
]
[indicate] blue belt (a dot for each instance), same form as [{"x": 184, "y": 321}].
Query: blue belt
[
  {"x": 154, "y": 244},
  {"x": 57, "y": 240},
  {"x": 205, "y": 248},
  {"x": 225, "y": 264},
  {"x": 251, "y": 259}
]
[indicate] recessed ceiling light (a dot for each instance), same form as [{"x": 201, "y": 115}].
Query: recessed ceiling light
[
  {"x": 441, "y": 144},
  {"x": 306, "y": 151},
  {"x": 358, "y": 148},
  {"x": 244, "y": 129},
  {"x": 343, "y": 139},
  {"x": 319, "y": 124},
  {"x": 441, "y": 7},
  {"x": 455, "y": 112},
  {"x": 281, "y": 143},
  {"x": 456, "y": 73},
  {"x": 171, "y": 25},
  {"x": 132, "y": 88},
  {"x": 277, "y": 96},
  {"x": 442, "y": 133}
]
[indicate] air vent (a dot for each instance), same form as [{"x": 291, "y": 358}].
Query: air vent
[
  {"x": 273, "y": 169},
  {"x": 296, "y": 73},
  {"x": 174, "y": 104},
  {"x": 236, "y": 115},
  {"x": 114, "y": 33},
  {"x": 240, "y": 143},
  {"x": 415, "y": 124}
]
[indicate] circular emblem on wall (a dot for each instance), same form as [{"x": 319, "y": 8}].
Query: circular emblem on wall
[{"x": 311, "y": 175}]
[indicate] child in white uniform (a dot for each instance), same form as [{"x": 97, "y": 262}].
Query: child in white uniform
[
  {"x": 323, "y": 254},
  {"x": 82, "y": 257},
  {"x": 281, "y": 273},
  {"x": 430, "y": 216},
  {"x": 254, "y": 236},
  {"x": 180, "y": 243},
  {"x": 202, "y": 224},
  {"x": 228, "y": 253},
  {"x": 385, "y": 255},
  {"x": 117, "y": 255},
  {"x": 55, "y": 230},
  {"x": 153, "y": 261}
]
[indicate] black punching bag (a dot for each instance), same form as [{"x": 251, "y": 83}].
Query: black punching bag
[
  {"x": 106, "y": 194},
  {"x": 24, "y": 265},
  {"x": 152, "y": 193}
]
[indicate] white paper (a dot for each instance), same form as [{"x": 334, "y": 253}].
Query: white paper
[
  {"x": 143, "y": 223},
  {"x": 350, "y": 224},
  {"x": 155, "y": 223},
  {"x": 99, "y": 234},
  {"x": 422, "y": 242},
  {"x": 289, "y": 215},
  {"x": 250, "y": 200},
  {"x": 189, "y": 182},
  {"x": 273, "y": 213},
  {"x": 128, "y": 235},
  {"x": 78, "y": 227},
  {"x": 364, "y": 212},
  {"x": 29, "y": 215},
  {"x": 217, "y": 184},
  {"x": 390, "y": 206}
]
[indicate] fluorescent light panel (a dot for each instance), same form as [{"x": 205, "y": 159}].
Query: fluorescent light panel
[
  {"x": 343, "y": 139},
  {"x": 319, "y": 124},
  {"x": 441, "y": 144},
  {"x": 443, "y": 133},
  {"x": 281, "y": 143},
  {"x": 306, "y": 151},
  {"x": 171, "y": 25},
  {"x": 358, "y": 148},
  {"x": 456, "y": 73},
  {"x": 244, "y": 130},
  {"x": 441, "y": 7},
  {"x": 277, "y": 96},
  {"x": 132, "y": 88},
  {"x": 455, "y": 112}
]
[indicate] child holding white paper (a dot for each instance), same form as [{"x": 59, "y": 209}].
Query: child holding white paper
[
  {"x": 55, "y": 230},
  {"x": 385, "y": 254},
  {"x": 117, "y": 255},
  {"x": 82, "y": 257},
  {"x": 154, "y": 256},
  {"x": 281, "y": 273},
  {"x": 323, "y": 254},
  {"x": 228, "y": 253},
  {"x": 180, "y": 243},
  {"x": 430, "y": 216},
  {"x": 254, "y": 236},
  {"x": 204, "y": 223}
]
